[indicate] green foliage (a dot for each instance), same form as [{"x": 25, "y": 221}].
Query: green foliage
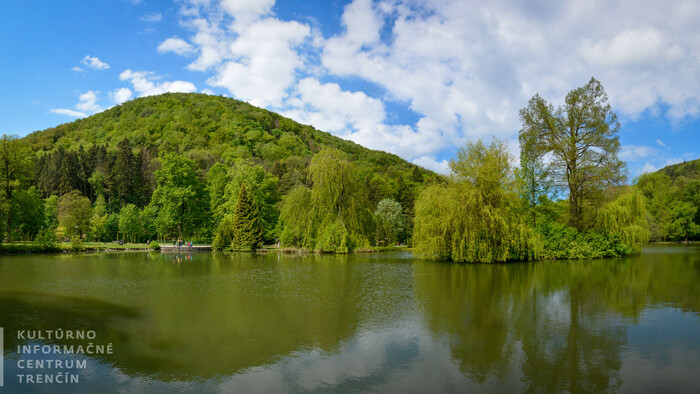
[
  {"x": 27, "y": 213},
  {"x": 116, "y": 156},
  {"x": 296, "y": 214},
  {"x": 154, "y": 245},
  {"x": 473, "y": 219},
  {"x": 179, "y": 199},
  {"x": 247, "y": 230},
  {"x": 390, "y": 220},
  {"x": 224, "y": 234},
  {"x": 682, "y": 225},
  {"x": 333, "y": 215},
  {"x": 15, "y": 170},
  {"x": 261, "y": 186},
  {"x": 76, "y": 244},
  {"x": 673, "y": 201},
  {"x": 46, "y": 240},
  {"x": 581, "y": 138},
  {"x": 74, "y": 213},
  {"x": 626, "y": 216},
  {"x": 130, "y": 222}
]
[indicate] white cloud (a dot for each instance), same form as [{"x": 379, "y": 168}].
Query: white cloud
[
  {"x": 262, "y": 62},
  {"x": 636, "y": 152},
  {"x": 246, "y": 11},
  {"x": 153, "y": 17},
  {"x": 176, "y": 45},
  {"x": 207, "y": 91},
  {"x": 441, "y": 167},
  {"x": 648, "y": 168},
  {"x": 672, "y": 161},
  {"x": 77, "y": 69},
  {"x": 68, "y": 112},
  {"x": 88, "y": 102},
  {"x": 660, "y": 143},
  {"x": 121, "y": 95},
  {"x": 94, "y": 63},
  {"x": 143, "y": 83}
]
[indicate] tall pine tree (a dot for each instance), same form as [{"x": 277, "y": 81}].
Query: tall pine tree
[{"x": 247, "y": 226}]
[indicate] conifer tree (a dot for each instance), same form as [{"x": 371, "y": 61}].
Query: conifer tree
[{"x": 247, "y": 226}]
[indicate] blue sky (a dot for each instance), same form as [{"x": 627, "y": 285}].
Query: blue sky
[{"x": 415, "y": 78}]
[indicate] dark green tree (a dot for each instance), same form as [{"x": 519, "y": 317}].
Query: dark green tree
[
  {"x": 247, "y": 231},
  {"x": 15, "y": 171}
]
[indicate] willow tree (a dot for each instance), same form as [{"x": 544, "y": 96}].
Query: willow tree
[
  {"x": 474, "y": 218},
  {"x": 627, "y": 216},
  {"x": 581, "y": 139},
  {"x": 332, "y": 216}
]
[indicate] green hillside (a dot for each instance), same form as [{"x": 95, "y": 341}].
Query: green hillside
[
  {"x": 673, "y": 201},
  {"x": 173, "y": 165}
]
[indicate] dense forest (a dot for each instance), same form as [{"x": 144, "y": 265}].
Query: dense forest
[
  {"x": 176, "y": 166},
  {"x": 217, "y": 170}
]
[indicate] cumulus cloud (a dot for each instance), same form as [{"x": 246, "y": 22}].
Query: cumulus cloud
[
  {"x": 660, "y": 143},
  {"x": 94, "y": 63},
  {"x": 88, "y": 102},
  {"x": 121, "y": 95},
  {"x": 68, "y": 112},
  {"x": 441, "y": 167},
  {"x": 176, "y": 45},
  {"x": 143, "y": 83},
  {"x": 636, "y": 152}
]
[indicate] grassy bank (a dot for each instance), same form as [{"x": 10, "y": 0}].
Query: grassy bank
[{"x": 30, "y": 247}]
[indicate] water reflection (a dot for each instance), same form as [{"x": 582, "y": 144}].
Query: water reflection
[{"x": 223, "y": 322}]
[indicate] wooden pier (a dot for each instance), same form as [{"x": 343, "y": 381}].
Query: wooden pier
[{"x": 184, "y": 249}]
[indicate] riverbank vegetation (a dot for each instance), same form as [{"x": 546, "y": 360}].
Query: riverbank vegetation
[
  {"x": 213, "y": 169},
  {"x": 491, "y": 211}
]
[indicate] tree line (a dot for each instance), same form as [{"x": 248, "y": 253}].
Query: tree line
[{"x": 272, "y": 180}]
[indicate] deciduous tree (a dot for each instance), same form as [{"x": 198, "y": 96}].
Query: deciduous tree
[{"x": 581, "y": 137}]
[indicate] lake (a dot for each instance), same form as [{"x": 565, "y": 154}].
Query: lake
[{"x": 383, "y": 322}]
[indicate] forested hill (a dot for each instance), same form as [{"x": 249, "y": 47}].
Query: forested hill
[
  {"x": 173, "y": 165},
  {"x": 673, "y": 201},
  {"x": 688, "y": 169},
  {"x": 206, "y": 128}
]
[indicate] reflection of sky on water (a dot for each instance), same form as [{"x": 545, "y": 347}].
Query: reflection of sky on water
[{"x": 368, "y": 323}]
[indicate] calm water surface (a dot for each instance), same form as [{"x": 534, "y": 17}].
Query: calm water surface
[{"x": 381, "y": 323}]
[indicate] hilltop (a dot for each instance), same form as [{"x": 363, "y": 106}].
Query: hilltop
[
  {"x": 173, "y": 165},
  {"x": 214, "y": 127}
]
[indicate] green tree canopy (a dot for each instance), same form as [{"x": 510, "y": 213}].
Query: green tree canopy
[
  {"x": 179, "y": 199},
  {"x": 580, "y": 138},
  {"x": 474, "y": 218},
  {"x": 390, "y": 220},
  {"x": 74, "y": 213},
  {"x": 130, "y": 222},
  {"x": 15, "y": 170}
]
